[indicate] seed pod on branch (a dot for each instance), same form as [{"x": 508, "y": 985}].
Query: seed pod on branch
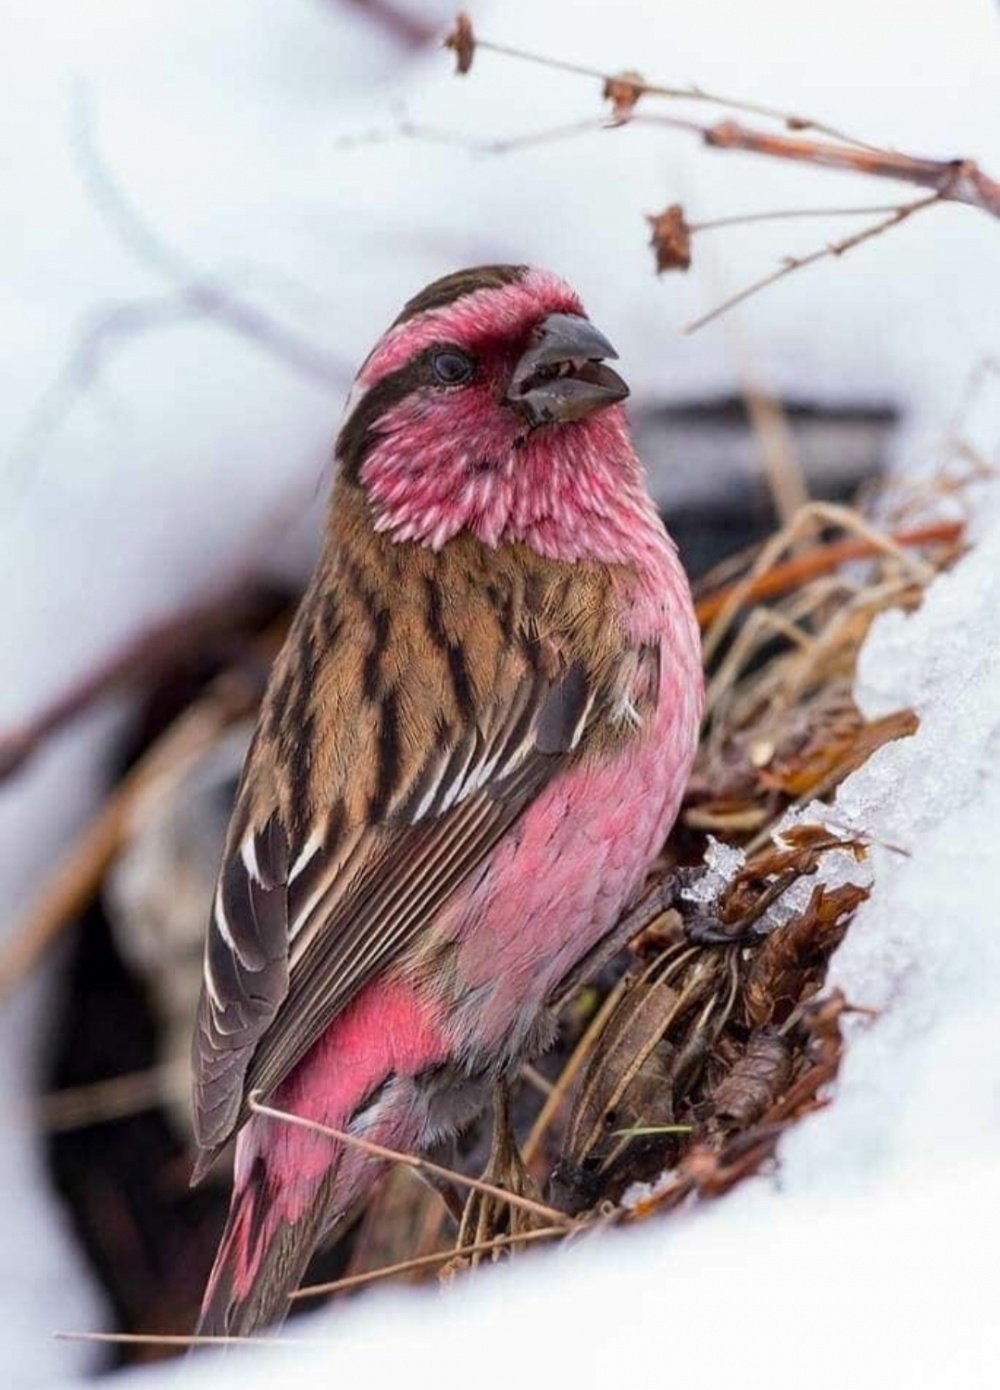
[
  {"x": 462, "y": 42},
  {"x": 623, "y": 91},
  {"x": 670, "y": 239}
]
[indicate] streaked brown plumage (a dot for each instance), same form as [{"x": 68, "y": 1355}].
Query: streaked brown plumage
[{"x": 403, "y": 664}]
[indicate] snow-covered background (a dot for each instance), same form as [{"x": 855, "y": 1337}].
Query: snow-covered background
[{"x": 139, "y": 467}]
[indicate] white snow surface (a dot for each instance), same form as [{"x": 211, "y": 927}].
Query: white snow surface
[{"x": 133, "y": 477}]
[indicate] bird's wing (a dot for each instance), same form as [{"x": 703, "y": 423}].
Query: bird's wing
[{"x": 415, "y": 771}]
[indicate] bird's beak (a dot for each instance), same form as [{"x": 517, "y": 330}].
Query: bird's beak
[{"x": 562, "y": 375}]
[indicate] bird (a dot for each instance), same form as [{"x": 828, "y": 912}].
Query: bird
[{"x": 471, "y": 748}]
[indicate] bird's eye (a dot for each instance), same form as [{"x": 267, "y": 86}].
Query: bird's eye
[{"x": 452, "y": 368}]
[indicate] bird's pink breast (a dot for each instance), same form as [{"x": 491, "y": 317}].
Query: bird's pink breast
[{"x": 559, "y": 881}]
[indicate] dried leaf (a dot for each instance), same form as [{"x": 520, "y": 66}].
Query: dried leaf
[
  {"x": 623, "y": 91},
  {"x": 775, "y": 983},
  {"x": 462, "y": 42},
  {"x": 755, "y": 1082},
  {"x": 670, "y": 239},
  {"x": 621, "y": 1084},
  {"x": 841, "y": 750},
  {"x": 714, "y": 1171},
  {"x": 773, "y": 870},
  {"x": 821, "y": 1020}
]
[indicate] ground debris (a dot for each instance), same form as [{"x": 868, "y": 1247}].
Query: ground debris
[
  {"x": 755, "y": 1082},
  {"x": 796, "y": 952},
  {"x": 719, "y": 1081}
]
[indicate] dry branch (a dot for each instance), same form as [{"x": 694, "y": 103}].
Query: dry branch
[
  {"x": 823, "y": 559},
  {"x": 144, "y": 659},
  {"x": 950, "y": 180},
  {"x": 77, "y": 876},
  {"x": 418, "y": 1164}
]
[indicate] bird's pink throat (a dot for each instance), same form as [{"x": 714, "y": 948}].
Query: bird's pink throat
[{"x": 571, "y": 491}]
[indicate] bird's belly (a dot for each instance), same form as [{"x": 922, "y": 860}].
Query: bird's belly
[{"x": 559, "y": 881}]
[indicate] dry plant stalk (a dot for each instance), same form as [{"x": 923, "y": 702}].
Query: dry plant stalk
[
  {"x": 79, "y": 873},
  {"x": 948, "y": 180}
]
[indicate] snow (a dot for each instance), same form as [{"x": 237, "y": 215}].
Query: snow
[
  {"x": 722, "y": 864},
  {"x": 753, "y": 1296},
  {"x": 136, "y": 477}
]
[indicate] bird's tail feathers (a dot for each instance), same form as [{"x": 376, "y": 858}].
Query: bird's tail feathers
[{"x": 261, "y": 1259}]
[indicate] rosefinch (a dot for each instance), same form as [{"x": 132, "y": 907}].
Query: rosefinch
[{"x": 471, "y": 748}]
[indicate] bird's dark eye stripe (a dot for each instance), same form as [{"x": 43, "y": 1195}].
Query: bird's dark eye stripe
[{"x": 360, "y": 429}]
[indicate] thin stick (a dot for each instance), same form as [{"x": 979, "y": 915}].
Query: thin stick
[
  {"x": 408, "y": 29},
  {"x": 745, "y": 219},
  {"x": 208, "y": 292},
  {"x": 660, "y": 89},
  {"x": 793, "y": 263},
  {"x": 81, "y": 869},
  {"x": 77, "y": 1107},
  {"x": 960, "y": 180},
  {"x": 822, "y": 560},
  {"x": 140, "y": 660},
  {"x": 779, "y": 461},
  {"x": 557, "y": 1218},
  {"x": 816, "y": 513},
  {"x": 534, "y": 1077},
  {"x": 370, "y": 1276},
  {"x": 169, "y": 1339}
]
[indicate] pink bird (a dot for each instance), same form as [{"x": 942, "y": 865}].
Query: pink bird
[{"x": 472, "y": 747}]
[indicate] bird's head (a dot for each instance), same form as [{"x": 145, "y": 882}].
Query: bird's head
[{"x": 488, "y": 407}]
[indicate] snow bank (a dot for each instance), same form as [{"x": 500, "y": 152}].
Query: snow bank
[{"x": 755, "y": 1293}]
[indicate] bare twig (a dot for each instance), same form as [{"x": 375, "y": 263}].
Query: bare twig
[
  {"x": 425, "y": 1165},
  {"x": 957, "y": 180},
  {"x": 77, "y": 1107},
  {"x": 809, "y": 518},
  {"x": 824, "y": 558},
  {"x": 833, "y": 249},
  {"x": 746, "y": 219},
  {"x": 78, "y": 875},
  {"x": 570, "y": 1071},
  {"x": 625, "y": 88},
  {"x": 404, "y": 127},
  {"x": 206, "y": 292},
  {"x": 439, "y": 1257},
  {"x": 198, "y": 295},
  {"x": 142, "y": 659},
  {"x": 401, "y": 24},
  {"x": 534, "y": 1078},
  {"x": 954, "y": 180},
  {"x": 168, "y": 1339}
]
